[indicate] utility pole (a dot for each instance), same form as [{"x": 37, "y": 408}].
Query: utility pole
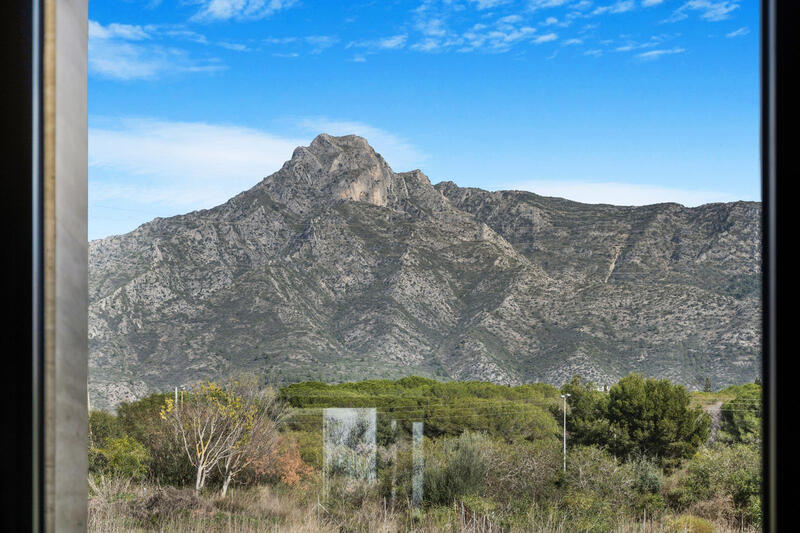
[{"x": 564, "y": 396}]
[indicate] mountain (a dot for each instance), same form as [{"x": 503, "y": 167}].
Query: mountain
[{"x": 337, "y": 268}]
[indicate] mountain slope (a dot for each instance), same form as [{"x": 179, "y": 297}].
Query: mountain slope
[{"x": 337, "y": 268}]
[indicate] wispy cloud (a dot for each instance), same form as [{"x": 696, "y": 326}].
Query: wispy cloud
[
  {"x": 533, "y": 5},
  {"x": 712, "y": 10},
  {"x": 439, "y": 27},
  {"x": 546, "y": 38},
  {"x": 738, "y": 33},
  {"x": 162, "y": 167},
  {"x": 236, "y": 47},
  {"x": 240, "y": 9},
  {"x": 655, "y": 54},
  {"x": 126, "y": 32},
  {"x": 622, "y": 6},
  {"x": 621, "y": 193},
  {"x": 279, "y": 40},
  {"x": 145, "y": 167},
  {"x": 126, "y": 52},
  {"x": 319, "y": 43},
  {"x": 393, "y": 42},
  {"x": 489, "y": 4},
  {"x": 654, "y": 41}
]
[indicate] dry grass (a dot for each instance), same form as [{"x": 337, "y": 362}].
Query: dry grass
[{"x": 120, "y": 506}]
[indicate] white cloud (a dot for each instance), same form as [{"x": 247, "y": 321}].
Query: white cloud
[
  {"x": 546, "y": 38},
  {"x": 654, "y": 41},
  {"x": 648, "y": 3},
  {"x": 541, "y": 4},
  {"x": 394, "y": 42},
  {"x": 509, "y": 19},
  {"x": 125, "y": 52},
  {"x": 179, "y": 165},
  {"x": 236, "y": 47},
  {"x": 655, "y": 54},
  {"x": 240, "y": 9},
  {"x": 622, "y": 6},
  {"x": 738, "y": 33},
  {"x": 401, "y": 154},
  {"x": 140, "y": 168},
  {"x": 319, "y": 43},
  {"x": 432, "y": 26},
  {"x": 117, "y": 31},
  {"x": 621, "y": 193},
  {"x": 279, "y": 40},
  {"x": 712, "y": 10},
  {"x": 488, "y": 4}
]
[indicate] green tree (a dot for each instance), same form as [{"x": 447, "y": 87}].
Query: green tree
[
  {"x": 654, "y": 417},
  {"x": 586, "y": 422},
  {"x": 741, "y": 417},
  {"x": 707, "y": 385}
]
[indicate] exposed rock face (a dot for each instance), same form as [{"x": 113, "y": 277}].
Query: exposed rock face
[{"x": 337, "y": 268}]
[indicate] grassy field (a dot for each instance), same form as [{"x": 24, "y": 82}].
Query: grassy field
[{"x": 117, "y": 506}]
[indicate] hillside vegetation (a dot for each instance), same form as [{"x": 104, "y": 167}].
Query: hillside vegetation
[{"x": 637, "y": 453}]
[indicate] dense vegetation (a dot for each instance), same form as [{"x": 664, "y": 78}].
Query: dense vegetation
[{"x": 645, "y": 450}]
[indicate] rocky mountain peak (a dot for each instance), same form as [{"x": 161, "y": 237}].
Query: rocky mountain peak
[
  {"x": 337, "y": 268},
  {"x": 334, "y": 169}
]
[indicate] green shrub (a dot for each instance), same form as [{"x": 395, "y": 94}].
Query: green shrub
[
  {"x": 691, "y": 524},
  {"x": 594, "y": 470},
  {"x": 522, "y": 470},
  {"x": 123, "y": 457},
  {"x": 455, "y": 467},
  {"x": 102, "y": 426},
  {"x": 723, "y": 471},
  {"x": 142, "y": 421},
  {"x": 515, "y": 413},
  {"x": 309, "y": 445},
  {"x": 648, "y": 475}
]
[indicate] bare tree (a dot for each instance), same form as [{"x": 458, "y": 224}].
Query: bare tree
[
  {"x": 208, "y": 422},
  {"x": 259, "y": 439}
]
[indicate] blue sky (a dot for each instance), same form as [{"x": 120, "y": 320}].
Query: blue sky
[{"x": 618, "y": 101}]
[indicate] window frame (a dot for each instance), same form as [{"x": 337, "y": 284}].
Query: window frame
[{"x": 25, "y": 397}]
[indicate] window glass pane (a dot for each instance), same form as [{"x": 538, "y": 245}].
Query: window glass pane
[{"x": 425, "y": 264}]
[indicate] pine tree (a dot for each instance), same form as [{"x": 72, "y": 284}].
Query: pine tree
[{"x": 707, "y": 386}]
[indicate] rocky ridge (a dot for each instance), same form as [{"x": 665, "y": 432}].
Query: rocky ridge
[{"x": 337, "y": 268}]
